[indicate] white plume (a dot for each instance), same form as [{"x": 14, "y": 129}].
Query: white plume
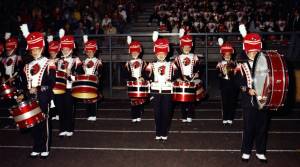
[
  {"x": 129, "y": 40},
  {"x": 49, "y": 38},
  {"x": 181, "y": 32},
  {"x": 24, "y": 29},
  {"x": 220, "y": 41},
  {"x": 243, "y": 30},
  {"x": 85, "y": 38},
  {"x": 7, "y": 35},
  {"x": 61, "y": 33},
  {"x": 155, "y": 36}
]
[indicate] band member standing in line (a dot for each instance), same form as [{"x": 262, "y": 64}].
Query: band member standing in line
[
  {"x": 39, "y": 78},
  {"x": 65, "y": 102},
  {"x": 135, "y": 71},
  {"x": 53, "y": 50},
  {"x": 255, "y": 120},
  {"x": 12, "y": 63},
  {"x": 189, "y": 67},
  {"x": 227, "y": 86},
  {"x": 92, "y": 66},
  {"x": 161, "y": 73}
]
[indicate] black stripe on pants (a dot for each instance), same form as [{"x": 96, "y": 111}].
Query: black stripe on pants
[{"x": 162, "y": 104}]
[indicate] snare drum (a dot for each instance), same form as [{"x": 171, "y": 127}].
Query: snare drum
[
  {"x": 138, "y": 89},
  {"x": 271, "y": 80},
  {"x": 27, "y": 114},
  {"x": 6, "y": 91},
  {"x": 60, "y": 83},
  {"x": 184, "y": 91},
  {"x": 85, "y": 87}
]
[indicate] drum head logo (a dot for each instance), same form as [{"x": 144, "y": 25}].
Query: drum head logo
[
  {"x": 136, "y": 64},
  {"x": 35, "y": 69},
  {"x": 186, "y": 61},
  {"x": 9, "y": 62},
  {"x": 90, "y": 64},
  {"x": 64, "y": 65},
  {"x": 162, "y": 70}
]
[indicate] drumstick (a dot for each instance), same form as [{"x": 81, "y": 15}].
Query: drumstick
[{"x": 15, "y": 74}]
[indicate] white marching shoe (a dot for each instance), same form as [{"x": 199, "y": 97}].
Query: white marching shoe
[
  {"x": 69, "y": 134},
  {"x": 44, "y": 154},
  {"x": 189, "y": 120},
  {"x": 92, "y": 118},
  {"x": 158, "y": 137},
  {"x": 245, "y": 157},
  {"x": 184, "y": 120},
  {"x": 64, "y": 133},
  {"x": 138, "y": 119},
  {"x": 262, "y": 157},
  {"x": 34, "y": 154},
  {"x": 134, "y": 120}
]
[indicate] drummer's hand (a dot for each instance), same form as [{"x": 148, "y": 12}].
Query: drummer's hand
[
  {"x": 178, "y": 80},
  {"x": 141, "y": 79},
  {"x": 252, "y": 92},
  {"x": 196, "y": 76},
  {"x": 33, "y": 91},
  {"x": 20, "y": 98},
  {"x": 68, "y": 71}
]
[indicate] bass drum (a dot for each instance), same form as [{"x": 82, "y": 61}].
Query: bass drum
[{"x": 271, "y": 80}]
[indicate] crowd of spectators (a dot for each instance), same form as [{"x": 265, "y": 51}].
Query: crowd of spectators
[
  {"x": 226, "y": 15},
  {"x": 77, "y": 17}
]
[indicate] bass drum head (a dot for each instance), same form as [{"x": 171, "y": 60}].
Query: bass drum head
[{"x": 261, "y": 78}]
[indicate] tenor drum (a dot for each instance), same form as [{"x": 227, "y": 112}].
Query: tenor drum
[
  {"x": 27, "y": 114},
  {"x": 85, "y": 87},
  {"x": 271, "y": 80},
  {"x": 184, "y": 91},
  {"x": 6, "y": 91},
  {"x": 60, "y": 83},
  {"x": 138, "y": 89}
]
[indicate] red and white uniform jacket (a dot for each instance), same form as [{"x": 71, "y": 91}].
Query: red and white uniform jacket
[
  {"x": 161, "y": 74},
  {"x": 69, "y": 65},
  {"x": 135, "y": 69},
  {"x": 189, "y": 67},
  {"x": 11, "y": 64},
  {"x": 92, "y": 66},
  {"x": 40, "y": 73}
]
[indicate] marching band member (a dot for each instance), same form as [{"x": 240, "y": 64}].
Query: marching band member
[
  {"x": 65, "y": 102},
  {"x": 53, "y": 50},
  {"x": 189, "y": 67},
  {"x": 255, "y": 120},
  {"x": 135, "y": 69},
  {"x": 1, "y": 57},
  {"x": 39, "y": 78},
  {"x": 161, "y": 73},
  {"x": 12, "y": 63},
  {"x": 92, "y": 66},
  {"x": 226, "y": 75}
]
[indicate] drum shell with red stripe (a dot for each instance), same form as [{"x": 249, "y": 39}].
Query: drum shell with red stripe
[
  {"x": 6, "y": 91},
  {"x": 138, "y": 89},
  {"x": 85, "y": 87},
  {"x": 277, "y": 79},
  {"x": 27, "y": 114},
  {"x": 184, "y": 91},
  {"x": 60, "y": 83}
]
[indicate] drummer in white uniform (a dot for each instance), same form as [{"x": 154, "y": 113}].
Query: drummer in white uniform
[
  {"x": 65, "y": 102},
  {"x": 135, "y": 71},
  {"x": 92, "y": 65},
  {"x": 161, "y": 73},
  {"x": 255, "y": 120},
  {"x": 189, "y": 70}
]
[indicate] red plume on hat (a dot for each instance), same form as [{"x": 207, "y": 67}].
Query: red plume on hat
[
  {"x": 134, "y": 46},
  {"x": 66, "y": 41},
  {"x": 34, "y": 39},
  {"x": 89, "y": 44},
  {"x": 53, "y": 46},
  {"x": 252, "y": 41},
  {"x": 185, "y": 39},
  {"x": 160, "y": 44},
  {"x": 225, "y": 47}
]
